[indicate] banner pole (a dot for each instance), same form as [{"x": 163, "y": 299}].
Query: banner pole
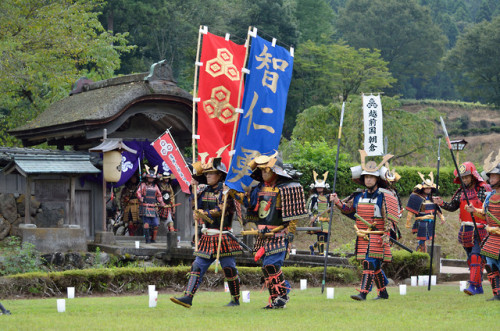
[
  {"x": 231, "y": 153},
  {"x": 333, "y": 191},
  {"x": 435, "y": 214},
  {"x": 195, "y": 187}
]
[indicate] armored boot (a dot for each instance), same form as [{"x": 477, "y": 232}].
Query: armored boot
[
  {"x": 311, "y": 248},
  {"x": 147, "y": 235},
  {"x": 494, "y": 278},
  {"x": 233, "y": 281},
  {"x": 476, "y": 270},
  {"x": 277, "y": 287},
  {"x": 366, "y": 283},
  {"x": 192, "y": 286},
  {"x": 4, "y": 311},
  {"x": 380, "y": 282},
  {"x": 422, "y": 247},
  {"x": 155, "y": 233}
]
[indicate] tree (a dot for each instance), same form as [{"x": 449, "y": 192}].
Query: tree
[
  {"x": 402, "y": 30},
  {"x": 46, "y": 45},
  {"x": 475, "y": 62},
  {"x": 410, "y": 136},
  {"x": 315, "y": 20},
  {"x": 323, "y": 72}
]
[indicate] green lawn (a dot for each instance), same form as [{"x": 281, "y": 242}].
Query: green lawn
[{"x": 443, "y": 308}]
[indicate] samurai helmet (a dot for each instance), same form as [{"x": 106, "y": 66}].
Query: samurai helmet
[
  {"x": 491, "y": 166},
  {"x": 320, "y": 182},
  {"x": 274, "y": 162},
  {"x": 467, "y": 168},
  {"x": 151, "y": 172},
  {"x": 370, "y": 168},
  {"x": 167, "y": 174},
  {"x": 426, "y": 183},
  {"x": 212, "y": 164}
]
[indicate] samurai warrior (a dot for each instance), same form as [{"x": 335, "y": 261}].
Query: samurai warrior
[
  {"x": 476, "y": 189},
  {"x": 318, "y": 206},
  {"x": 130, "y": 206},
  {"x": 167, "y": 212},
  {"x": 274, "y": 205},
  {"x": 421, "y": 206},
  {"x": 376, "y": 211},
  {"x": 150, "y": 197},
  {"x": 209, "y": 214},
  {"x": 491, "y": 210}
]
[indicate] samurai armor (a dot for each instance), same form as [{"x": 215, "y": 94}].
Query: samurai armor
[
  {"x": 207, "y": 246},
  {"x": 491, "y": 246}
]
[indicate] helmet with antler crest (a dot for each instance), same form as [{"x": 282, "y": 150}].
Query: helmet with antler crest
[
  {"x": 491, "y": 166},
  {"x": 206, "y": 165},
  {"x": 320, "y": 182},
  {"x": 273, "y": 162},
  {"x": 150, "y": 172},
  {"x": 371, "y": 168},
  {"x": 426, "y": 182}
]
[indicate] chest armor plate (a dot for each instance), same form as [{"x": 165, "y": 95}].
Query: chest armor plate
[
  {"x": 150, "y": 196},
  {"x": 269, "y": 206}
]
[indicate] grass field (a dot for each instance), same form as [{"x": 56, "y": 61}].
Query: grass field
[{"x": 443, "y": 308}]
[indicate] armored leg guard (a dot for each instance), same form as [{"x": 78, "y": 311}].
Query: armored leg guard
[
  {"x": 321, "y": 245},
  {"x": 366, "y": 283},
  {"x": 275, "y": 282},
  {"x": 476, "y": 270},
  {"x": 155, "y": 233},
  {"x": 380, "y": 283},
  {"x": 146, "y": 233},
  {"x": 494, "y": 278},
  {"x": 192, "y": 286},
  {"x": 131, "y": 229},
  {"x": 233, "y": 281}
]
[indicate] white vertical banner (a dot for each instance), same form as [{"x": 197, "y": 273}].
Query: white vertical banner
[{"x": 374, "y": 131}]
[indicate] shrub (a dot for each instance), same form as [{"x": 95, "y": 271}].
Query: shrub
[{"x": 19, "y": 258}]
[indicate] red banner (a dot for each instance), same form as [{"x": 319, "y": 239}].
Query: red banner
[
  {"x": 218, "y": 89},
  {"x": 169, "y": 152}
]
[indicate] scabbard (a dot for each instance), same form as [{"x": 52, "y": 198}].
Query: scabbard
[
  {"x": 229, "y": 234},
  {"x": 401, "y": 245}
]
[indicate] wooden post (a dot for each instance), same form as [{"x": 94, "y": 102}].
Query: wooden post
[
  {"x": 72, "y": 185},
  {"x": 103, "y": 203},
  {"x": 27, "y": 200}
]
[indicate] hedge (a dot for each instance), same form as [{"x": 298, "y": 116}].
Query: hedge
[
  {"x": 123, "y": 280},
  {"x": 409, "y": 178},
  {"x": 129, "y": 280}
]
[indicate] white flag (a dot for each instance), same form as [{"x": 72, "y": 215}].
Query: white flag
[{"x": 374, "y": 132}]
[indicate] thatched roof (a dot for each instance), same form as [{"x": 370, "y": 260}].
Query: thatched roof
[{"x": 93, "y": 105}]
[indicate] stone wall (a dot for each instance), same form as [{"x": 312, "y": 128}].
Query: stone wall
[{"x": 43, "y": 215}]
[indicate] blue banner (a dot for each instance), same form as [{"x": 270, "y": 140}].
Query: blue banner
[{"x": 264, "y": 103}]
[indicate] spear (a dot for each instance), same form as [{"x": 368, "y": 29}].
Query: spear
[
  {"x": 333, "y": 191},
  {"x": 435, "y": 214},
  {"x": 476, "y": 232}
]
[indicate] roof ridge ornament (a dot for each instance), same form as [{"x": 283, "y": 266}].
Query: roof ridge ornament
[{"x": 160, "y": 71}]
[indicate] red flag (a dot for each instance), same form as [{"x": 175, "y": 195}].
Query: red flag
[
  {"x": 220, "y": 77},
  {"x": 169, "y": 152}
]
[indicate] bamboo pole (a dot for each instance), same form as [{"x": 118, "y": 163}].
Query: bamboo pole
[
  {"x": 193, "y": 140},
  {"x": 231, "y": 154}
]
